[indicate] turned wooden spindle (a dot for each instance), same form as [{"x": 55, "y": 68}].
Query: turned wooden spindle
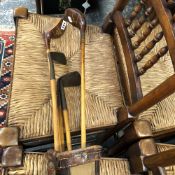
[
  {"x": 137, "y": 25},
  {"x": 171, "y": 3},
  {"x": 134, "y": 13},
  {"x": 174, "y": 18},
  {"x": 145, "y": 33},
  {"x": 149, "y": 46},
  {"x": 153, "y": 60}
]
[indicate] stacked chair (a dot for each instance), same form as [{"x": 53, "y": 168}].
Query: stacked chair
[{"x": 123, "y": 92}]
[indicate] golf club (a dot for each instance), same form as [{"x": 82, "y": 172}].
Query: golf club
[
  {"x": 68, "y": 80},
  {"x": 77, "y": 18},
  {"x": 55, "y": 31}
]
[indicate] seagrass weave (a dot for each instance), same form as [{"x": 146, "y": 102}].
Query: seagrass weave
[
  {"x": 161, "y": 115},
  {"x": 113, "y": 166},
  {"x": 34, "y": 164},
  {"x": 120, "y": 166},
  {"x": 30, "y": 106}
]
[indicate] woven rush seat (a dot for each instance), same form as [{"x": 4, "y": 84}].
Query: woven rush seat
[
  {"x": 161, "y": 115},
  {"x": 30, "y": 106},
  {"x": 117, "y": 166},
  {"x": 35, "y": 163},
  {"x": 114, "y": 166}
]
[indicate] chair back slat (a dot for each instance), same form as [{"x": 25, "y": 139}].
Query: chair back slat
[
  {"x": 149, "y": 46},
  {"x": 171, "y": 5},
  {"x": 153, "y": 60},
  {"x": 166, "y": 21},
  {"x": 145, "y": 33},
  {"x": 138, "y": 24},
  {"x": 134, "y": 13}
]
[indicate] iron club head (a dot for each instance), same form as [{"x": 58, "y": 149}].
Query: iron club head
[
  {"x": 68, "y": 80},
  {"x": 58, "y": 57}
]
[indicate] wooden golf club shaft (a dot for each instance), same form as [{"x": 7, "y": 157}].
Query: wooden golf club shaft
[
  {"x": 83, "y": 104},
  {"x": 60, "y": 117},
  {"x": 67, "y": 129},
  {"x": 55, "y": 114}
]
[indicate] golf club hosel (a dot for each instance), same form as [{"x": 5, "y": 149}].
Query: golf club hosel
[{"x": 76, "y": 18}]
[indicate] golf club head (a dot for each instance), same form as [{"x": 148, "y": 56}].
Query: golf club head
[
  {"x": 58, "y": 57},
  {"x": 76, "y": 18},
  {"x": 55, "y": 30},
  {"x": 68, "y": 80},
  {"x": 71, "y": 79}
]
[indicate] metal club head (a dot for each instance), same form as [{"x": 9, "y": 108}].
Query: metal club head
[
  {"x": 58, "y": 57},
  {"x": 76, "y": 18},
  {"x": 68, "y": 80}
]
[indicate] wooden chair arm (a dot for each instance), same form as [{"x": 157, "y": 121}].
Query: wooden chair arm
[
  {"x": 156, "y": 95},
  {"x": 162, "y": 159}
]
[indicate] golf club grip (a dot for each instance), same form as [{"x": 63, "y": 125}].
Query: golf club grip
[
  {"x": 67, "y": 128},
  {"x": 83, "y": 105},
  {"x": 55, "y": 119}
]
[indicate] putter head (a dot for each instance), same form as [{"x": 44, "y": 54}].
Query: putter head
[
  {"x": 76, "y": 18},
  {"x": 58, "y": 57}
]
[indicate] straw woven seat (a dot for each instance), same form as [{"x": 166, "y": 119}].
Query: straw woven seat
[
  {"x": 30, "y": 106},
  {"x": 113, "y": 166},
  {"x": 161, "y": 115},
  {"x": 35, "y": 163}
]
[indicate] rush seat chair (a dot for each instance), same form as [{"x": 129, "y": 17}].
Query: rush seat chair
[
  {"x": 30, "y": 105},
  {"x": 145, "y": 42}
]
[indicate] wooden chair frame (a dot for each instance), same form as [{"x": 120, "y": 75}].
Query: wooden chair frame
[{"x": 138, "y": 103}]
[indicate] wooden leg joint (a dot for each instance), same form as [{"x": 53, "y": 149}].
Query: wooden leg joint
[
  {"x": 134, "y": 132},
  {"x": 10, "y": 152},
  {"x": 124, "y": 116},
  {"x": 11, "y": 156},
  {"x": 9, "y": 136},
  {"x": 138, "y": 151}
]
